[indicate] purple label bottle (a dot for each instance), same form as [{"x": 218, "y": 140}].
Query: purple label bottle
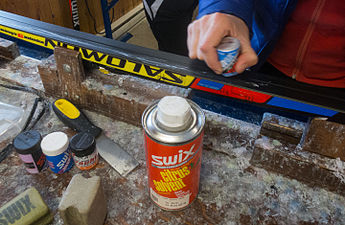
[{"x": 27, "y": 145}]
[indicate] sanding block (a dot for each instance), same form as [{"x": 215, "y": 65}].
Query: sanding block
[
  {"x": 28, "y": 208},
  {"x": 86, "y": 207}
]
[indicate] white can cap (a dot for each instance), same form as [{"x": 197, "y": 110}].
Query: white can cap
[
  {"x": 54, "y": 143},
  {"x": 174, "y": 112}
]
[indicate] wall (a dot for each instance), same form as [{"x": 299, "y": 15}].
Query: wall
[
  {"x": 51, "y": 11},
  {"x": 57, "y": 11},
  {"x": 86, "y": 21}
]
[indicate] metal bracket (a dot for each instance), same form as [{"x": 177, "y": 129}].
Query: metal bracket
[{"x": 105, "y": 10}]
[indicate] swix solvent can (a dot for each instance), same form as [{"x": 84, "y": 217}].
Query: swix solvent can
[
  {"x": 228, "y": 51},
  {"x": 173, "y": 131}
]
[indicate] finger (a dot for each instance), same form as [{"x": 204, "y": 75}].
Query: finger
[
  {"x": 247, "y": 57},
  {"x": 193, "y": 40},
  {"x": 211, "y": 59},
  {"x": 208, "y": 49}
]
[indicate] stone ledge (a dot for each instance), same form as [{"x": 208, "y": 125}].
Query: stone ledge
[
  {"x": 311, "y": 169},
  {"x": 325, "y": 138},
  {"x": 8, "y": 49}
]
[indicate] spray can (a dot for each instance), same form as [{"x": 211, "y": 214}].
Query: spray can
[
  {"x": 56, "y": 148},
  {"x": 173, "y": 133},
  {"x": 228, "y": 51},
  {"x": 27, "y": 145}
]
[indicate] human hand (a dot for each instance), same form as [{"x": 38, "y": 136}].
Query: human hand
[{"x": 206, "y": 33}]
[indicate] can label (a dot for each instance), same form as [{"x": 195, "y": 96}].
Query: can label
[
  {"x": 60, "y": 163},
  {"x": 86, "y": 162},
  {"x": 34, "y": 163},
  {"x": 230, "y": 72},
  {"x": 227, "y": 52},
  {"x": 173, "y": 172}
]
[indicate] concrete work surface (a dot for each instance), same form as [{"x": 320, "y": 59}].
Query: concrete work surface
[{"x": 232, "y": 191}]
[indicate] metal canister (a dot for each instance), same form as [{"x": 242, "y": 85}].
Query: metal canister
[
  {"x": 173, "y": 132},
  {"x": 228, "y": 51},
  {"x": 56, "y": 148},
  {"x": 84, "y": 152},
  {"x": 27, "y": 145}
]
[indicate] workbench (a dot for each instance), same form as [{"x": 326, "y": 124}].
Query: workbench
[{"x": 232, "y": 191}]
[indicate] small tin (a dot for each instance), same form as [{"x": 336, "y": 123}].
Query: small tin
[
  {"x": 56, "y": 148},
  {"x": 27, "y": 145},
  {"x": 84, "y": 152},
  {"x": 228, "y": 51},
  {"x": 173, "y": 133}
]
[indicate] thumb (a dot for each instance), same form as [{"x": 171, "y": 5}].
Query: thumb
[{"x": 247, "y": 57}]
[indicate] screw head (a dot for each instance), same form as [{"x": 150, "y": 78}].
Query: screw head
[{"x": 67, "y": 68}]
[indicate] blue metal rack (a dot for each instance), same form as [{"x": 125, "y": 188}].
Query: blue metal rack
[{"x": 106, "y": 7}]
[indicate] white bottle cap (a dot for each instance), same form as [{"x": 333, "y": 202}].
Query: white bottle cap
[
  {"x": 54, "y": 143},
  {"x": 174, "y": 112}
]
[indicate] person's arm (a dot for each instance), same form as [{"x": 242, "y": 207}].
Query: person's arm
[{"x": 218, "y": 19}]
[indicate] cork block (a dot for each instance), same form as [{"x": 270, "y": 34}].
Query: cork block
[
  {"x": 8, "y": 49},
  {"x": 282, "y": 128},
  {"x": 83, "y": 202},
  {"x": 26, "y": 209},
  {"x": 325, "y": 138}
]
